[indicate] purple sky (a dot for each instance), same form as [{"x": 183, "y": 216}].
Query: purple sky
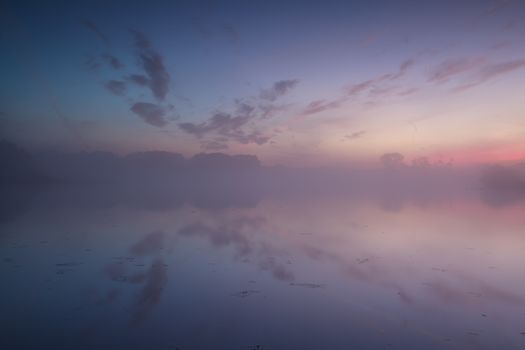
[{"x": 296, "y": 82}]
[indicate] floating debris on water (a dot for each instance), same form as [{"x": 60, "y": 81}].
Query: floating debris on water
[
  {"x": 68, "y": 264},
  {"x": 439, "y": 269},
  {"x": 246, "y": 293},
  {"x": 307, "y": 285}
]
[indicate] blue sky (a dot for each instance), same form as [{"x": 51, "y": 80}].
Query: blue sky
[{"x": 299, "y": 82}]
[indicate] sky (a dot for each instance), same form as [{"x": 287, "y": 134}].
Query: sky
[{"x": 301, "y": 83}]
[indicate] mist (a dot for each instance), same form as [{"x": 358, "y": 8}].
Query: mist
[{"x": 262, "y": 175}]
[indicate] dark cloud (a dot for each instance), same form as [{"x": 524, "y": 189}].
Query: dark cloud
[
  {"x": 150, "y": 113},
  {"x": 239, "y": 126},
  {"x": 243, "y": 108},
  {"x": 246, "y": 138},
  {"x": 116, "y": 87},
  {"x": 141, "y": 41},
  {"x": 278, "y": 89},
  {"x": 113, "y": 61},
  {"x": 221, "y": 123},
  {"x": 92, "y": 63},
  {"x": 94, "y": 28},
  {"x": 139, "y": 79},
  {"x": 215, "y": 145},
  {"x": 227, "y": 126},
  {"x": 153, "y": 64}
]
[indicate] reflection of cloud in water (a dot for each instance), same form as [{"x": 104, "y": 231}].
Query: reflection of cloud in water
[
  {"x": 149, "y": 297},
  {"x": 389, "y": 263},
  {"x": 153, "y": 280},
  {"x": 460, "y": 288},
  {"x": 150, "y": 244},
  {"x": 503, "y": 186},
  {"x": 308, "y": 285},
  {"x": 237, "y": 233},
  {"x": 465, "y": 288}
]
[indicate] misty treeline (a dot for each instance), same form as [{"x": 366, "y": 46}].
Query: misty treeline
[{"x": 162, "y": 168}]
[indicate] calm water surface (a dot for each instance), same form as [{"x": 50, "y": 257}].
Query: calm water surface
[{"x": 83, "y": 270}]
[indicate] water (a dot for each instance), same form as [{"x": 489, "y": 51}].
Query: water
[{"x": 83, "y": 268}]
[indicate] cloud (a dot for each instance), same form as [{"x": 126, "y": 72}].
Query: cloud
[
  {"x": 153, "y": 64},
  {"x": 91, "y": 63},
  {"x": 150, "y": 113},
  {"x": 374, "y": 86},
  {"x": 278, "y": 89},
  {"x": 243, "y": 108},
  {"x": 497, "y": 6},
  {"x": 220, "y": 122},
  {"x": 94, "y": 28},
  {"x": 215, "y": 145},
  {"x": 367, "y": 84},
  {"x": 355, "y": 135},
  {"x": 116, "y": 87},
  {"x": 231, "y": 33},
  {"x": 404, "y": 67},
  {"x": 227, "y": 126},
  {"x": 392, "y": 160},
  {"x": 268, "y": 110},
  {"x": 321, "y": 105},
  {"x": 139, "y": 79},
  {"x": 491, "y": 71},
  {"x": 452, "y": 67},
  {"x": 239, "y": 125},
  {"x": 408, "y": 91},
  {"x": 246, "y": 138},
  {"x": 113, "y": 61},
  {"x": 201, "y": 28}
]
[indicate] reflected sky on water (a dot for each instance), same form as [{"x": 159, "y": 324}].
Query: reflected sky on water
[{"x": 86, "y": 268}]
